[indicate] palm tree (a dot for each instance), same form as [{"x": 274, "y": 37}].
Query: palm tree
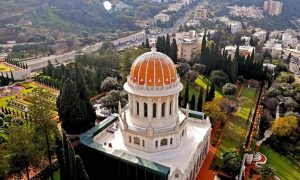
[{"x": 266, "y": 171}]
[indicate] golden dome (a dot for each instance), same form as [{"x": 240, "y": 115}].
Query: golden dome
[{"x": 153, "y": 69}]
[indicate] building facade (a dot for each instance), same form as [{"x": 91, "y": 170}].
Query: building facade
[
  {"x": 153, "y": 128},
  {"x": 260, "y": 35},
  {"x": 244, "y": 50},
  {"x": 188, "y": 45},
  {"x": 272, "y": 7},
  {"x": 162, "y": 18}
]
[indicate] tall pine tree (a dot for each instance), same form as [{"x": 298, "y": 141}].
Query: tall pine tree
[
  {"x": 70, "y": 109},
  {"x": 147, "y": 43},
  {"x": 168, "y": 43},
  {"x": 186, "y": 93},
  {"x": 173, "y": 50},
  {"x": 200, "y": 100},
  {"x": 88, "y": 109},
  {"x": 193, "y": 103},
  {"x": 203, "y": 48}
]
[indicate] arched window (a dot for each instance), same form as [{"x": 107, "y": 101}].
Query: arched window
[
  {"x": 136, "y": 140},
  {"x": 156, "y": 143},
  {"x": 163, "y": 110},
  {"x": 154, "y": 110},
  {"x": 164, "y": 142},
  {"x": 137, "y": 108},
  {"x": 171, "y": 140},
  {"x": 130, "y": 139},
  {"x": 171, "y": 107},
  {"x": 145, "y": 110},
  {"x": 143, "y": 143}
]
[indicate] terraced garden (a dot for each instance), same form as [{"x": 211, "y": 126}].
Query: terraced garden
[{"x": 235, "y": 133}]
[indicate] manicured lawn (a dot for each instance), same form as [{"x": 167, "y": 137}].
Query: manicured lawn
[
  {"x": 201, "y": 81},
  {"x": 285, "y": 169},
  {"x": 195, "y": 88},
  {"x": 4, "y": 68},
  {"x": 233, "y": 133},
  {"x": 56, "y": 175}
]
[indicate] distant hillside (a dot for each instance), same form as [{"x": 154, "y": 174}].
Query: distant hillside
[{"x": 290, "y": 12}]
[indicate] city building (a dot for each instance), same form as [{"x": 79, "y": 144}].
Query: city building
[
  {"x": 144, "y": 23},
  {"x": 175, "y": 7},
  {"x": 161, "y": 17},
  {"x": 235, "y": 26},
  {"x": 276, "y": 51},
  {"x": 193, "y": 23},
  {"x": 249, "y": 12},
  {"x": 151, "y": 137},
  {"x": 246, "y": 39},
  {"x": 244, "y": 50},
  {"x": 274, "y": 46},
  {"x": 200, "y": 13},
  {"x": 188, "y": 45},
  {"x": 289, "y": 41},
  {"x": 273, "y": 7},
  {"x": 260, "y": 35}
]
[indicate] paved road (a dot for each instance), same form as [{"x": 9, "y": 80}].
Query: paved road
[{"x": 39, "y": 63}]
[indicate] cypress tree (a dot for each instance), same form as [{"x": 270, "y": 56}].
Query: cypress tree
[
  {"x": 206, "y": 93},
  {"x": 87, "y": 109},
  {"x": 193, "y": 103},
  {"x": 186, "y": 93},
  {"x": 180, "y": 100},
  {"x": 163, "y": 44},
  {"x": 147, "y": 43},
  {"x": 158, "y": 43},
  {"x": 12, "y": 76},
  {"x": 211, "y": 93},
  {"x": 173, "y": 50},
  {"x": 251, "y": 41},
  {"x": 200, "y": 100},
  {"x": 168, "y": 45},
  {"x": 70, "y": 109},
  {"x": 203, "y": 47}
]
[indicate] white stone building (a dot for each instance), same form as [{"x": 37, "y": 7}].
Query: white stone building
[
  {"x": 289, "y": 41},
  {"x": 188, "y": 45},
  {"x": 200, "y": 13},
  {"x": 244, "y": 50},
  {"x": 162, "y": 17},
  {"x": 260, "y": 35},
  {"x": 153, "y": 127}
]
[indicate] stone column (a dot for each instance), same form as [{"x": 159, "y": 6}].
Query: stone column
[
  {"x": 130, "y": 103},
  {"x": 174, "y": 105},
  {"x": 167, "y": 108},
  {"x": 158, "y": 109},
  {"x": 141, "y": 109},
  {"x": 134, "y": 105},
  {"x": 150, "y": 108}
]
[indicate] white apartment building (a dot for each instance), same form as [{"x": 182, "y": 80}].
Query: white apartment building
[
  {"x": 260, "y": 35},
  {"x": 272, "y": 7},
  {"x": 289, "y": 41}
]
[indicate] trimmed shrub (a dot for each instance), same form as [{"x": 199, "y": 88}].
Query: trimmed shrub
[{"x": 8, "y": 118}]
